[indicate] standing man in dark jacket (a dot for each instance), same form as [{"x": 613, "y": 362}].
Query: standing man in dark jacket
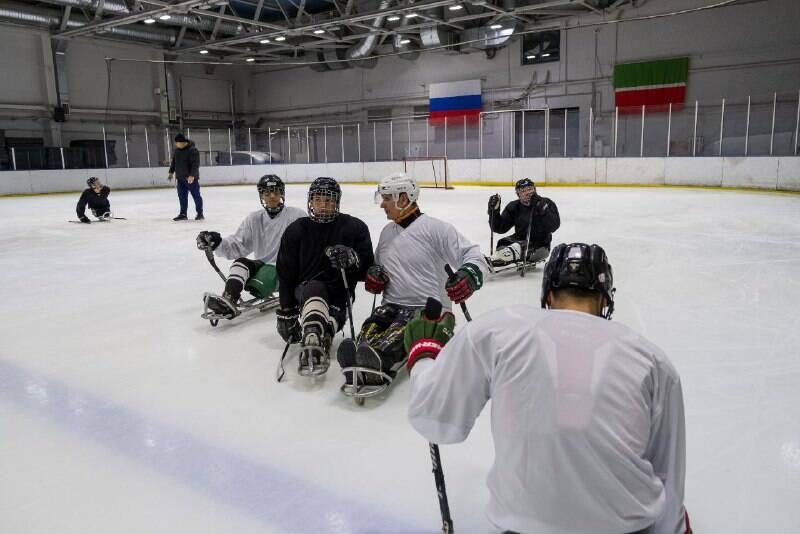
[
  {"x": 186, "y": 167},
  {"x": 534, "y": 220},
  {"x": 313, "y": 253}
]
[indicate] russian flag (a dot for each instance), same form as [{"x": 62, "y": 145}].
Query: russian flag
[{"x": 454, "y": 100}]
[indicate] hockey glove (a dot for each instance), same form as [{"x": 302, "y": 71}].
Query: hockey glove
[
  {"x": 208, "y": 240},
  {"x": 289, "y": 324},
  {"x": 464, "y": 282},
  {"x": 376, "y": 279},
  {"x": 424, "y": 337},
  {"x": 84, "y": 219},
  {"x": 494, "y": 203},
  {"x": 342, "y": 257}
]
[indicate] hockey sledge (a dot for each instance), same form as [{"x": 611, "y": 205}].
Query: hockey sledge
[
  {"x": 244, "y": 307},
  {"x": 357, "y": 389}
]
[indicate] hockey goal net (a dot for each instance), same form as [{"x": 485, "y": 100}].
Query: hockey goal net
[{"x": 428, "y": 171}]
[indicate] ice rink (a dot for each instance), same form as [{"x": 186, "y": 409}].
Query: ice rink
[{"x": 121, "y": 410}]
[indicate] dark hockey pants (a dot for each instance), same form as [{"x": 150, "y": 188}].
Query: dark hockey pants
[
  {"x": 384, "y": 331},
  {"x": 315, "y": 306},
  {"x": 534, "y": 254}
]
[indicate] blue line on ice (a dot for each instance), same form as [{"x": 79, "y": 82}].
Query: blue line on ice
[{"x": 276, "y": 498}]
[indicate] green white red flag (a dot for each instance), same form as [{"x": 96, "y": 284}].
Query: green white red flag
[{"x": 651, "y": 83}]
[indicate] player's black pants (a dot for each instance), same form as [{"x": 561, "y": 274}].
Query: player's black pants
[
  {"x": 315, "y": 306},
  {"x": 384, "y": 331},
  {"x": 534, "y": 254}
]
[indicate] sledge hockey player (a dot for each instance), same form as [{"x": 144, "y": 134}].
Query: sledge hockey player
[
  {"x": 96, "y": 197},
  {"x": 587, "y": 415},
  {"x": 313, "y": 253},
  {"x": 412, "y": 252},
  {"x": 259, "y": 234},
  {"x": 533, "y": 218}
]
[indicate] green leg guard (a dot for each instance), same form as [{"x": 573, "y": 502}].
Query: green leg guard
[{"x": 264, "y": 282}]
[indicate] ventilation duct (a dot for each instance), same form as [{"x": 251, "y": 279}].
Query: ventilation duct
[
  {"x": 23, "y": 13},
  {"x": 119, "y": 7},
  {"x": 409, "y": 50},
  {"x": 363, "y": 49}
]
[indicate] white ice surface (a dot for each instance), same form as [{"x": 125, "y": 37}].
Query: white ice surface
[{"x": 121, "y": 410}]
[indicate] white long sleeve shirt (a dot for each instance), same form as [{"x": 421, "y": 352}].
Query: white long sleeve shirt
[
  {"x": 259, "y": 235},
  {"x": 414, "y": 258},
  {"x": 587, "y": 420}
]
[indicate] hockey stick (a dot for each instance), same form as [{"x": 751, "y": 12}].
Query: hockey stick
[
  {"x": 491, "y": 230},
  {"x": 527, "y": 243},
  {"x": 433, "y": 309},
  {"x": 349, "y": 306},
  {"x": 450, "y": 273},
  {"x": 281, "y": 371},
  {"x": 210, "y": 257}
]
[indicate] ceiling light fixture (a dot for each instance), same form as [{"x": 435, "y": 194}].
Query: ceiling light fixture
[
  {"x": 204, "y": 52},
  {"x": 393, "y": 18},
  {"x": 546, "y": 55},
  {"x": 150, "y": 21},
  {"x": 264, "y": 41},
  {"x": 411, "y": 15},
  {"x": 250, "y": 59},
  {"x": 507, "y": 31},
  {"x": 495, "y": 26},
  {"x": 405, "y": 41},
  {"x": 319, "y": 31},
  {"x": 456, "y": 7},
  {"x": 532, "y": 56},
  {"x": 280, "y": 38},
  {"x": 165, "y": 16}
]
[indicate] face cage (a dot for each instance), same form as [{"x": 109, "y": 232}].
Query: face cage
[
  {"x": 327, "y": 217},
  {"x": 277, "y": 209}
]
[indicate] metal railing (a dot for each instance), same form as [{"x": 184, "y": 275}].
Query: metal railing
[{"x": 760, "y": 125}]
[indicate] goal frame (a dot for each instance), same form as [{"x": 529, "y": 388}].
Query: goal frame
[{"x": 436, "y": 180}]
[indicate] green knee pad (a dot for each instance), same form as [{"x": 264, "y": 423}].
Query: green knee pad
[{"x": 263, "y": 283}]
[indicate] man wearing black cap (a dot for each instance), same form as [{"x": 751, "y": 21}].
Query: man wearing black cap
[{"x": 186, "y": 166}]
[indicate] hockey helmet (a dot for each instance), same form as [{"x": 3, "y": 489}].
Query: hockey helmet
[
  {"x": 580, "y": 266},
  {"x": 267, "y": 184},
  {"x": 395, "y": 184},
  {"x": 94, "y": 180},
  {"x": 324, "y": 187}
]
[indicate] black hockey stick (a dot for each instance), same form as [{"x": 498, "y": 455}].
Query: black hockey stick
[
  {"x": 433, "y": 309},
  {"x": 527, "y": 243},
  {"x": 349, "y": 305},
  {"x": 450, "y": 273},
  {"x": 210, "y": 257},
  {"x": 491, "y": 230},
  {"x": 281, "y": 371}
]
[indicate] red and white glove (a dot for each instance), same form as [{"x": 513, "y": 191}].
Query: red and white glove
[
  {"x": 376, "y": 281},
  {"x": 464, "y": 283}
]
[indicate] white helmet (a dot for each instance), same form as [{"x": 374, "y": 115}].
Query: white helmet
[{"x": 397, "y": 183}]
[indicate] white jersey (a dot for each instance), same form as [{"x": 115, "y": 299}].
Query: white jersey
[
  {"x": 414, "y": 258},
  {"x": 587, "y": 420},
  {"x": 259, "y": 235}
]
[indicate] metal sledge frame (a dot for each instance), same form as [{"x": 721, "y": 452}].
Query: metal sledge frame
[
  {"x": 364, "y": 391},
  {"x": 245, "y": 307}
]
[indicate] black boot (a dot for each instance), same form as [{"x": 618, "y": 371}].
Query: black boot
[
  {"x": 199, "y": 217},
  {"x": 180, "y": 217}
]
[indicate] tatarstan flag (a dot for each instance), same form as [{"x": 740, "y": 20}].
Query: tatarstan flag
[{"x": 651, "y": 83}]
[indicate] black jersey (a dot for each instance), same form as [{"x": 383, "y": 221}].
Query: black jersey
[
  {"x": 97, "y": 202},
  {"x": 517, "y": 216},
  {"x": 301, "y": 256}
]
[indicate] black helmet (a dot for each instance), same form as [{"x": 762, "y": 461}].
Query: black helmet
[
  {"x": 324, "y": 186},
  {"x": 93, "y": 180},
  {"x": 582, "y": 266},
  {"x": 525, "y": 182},
  {"x": 268, "y": 183}
]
